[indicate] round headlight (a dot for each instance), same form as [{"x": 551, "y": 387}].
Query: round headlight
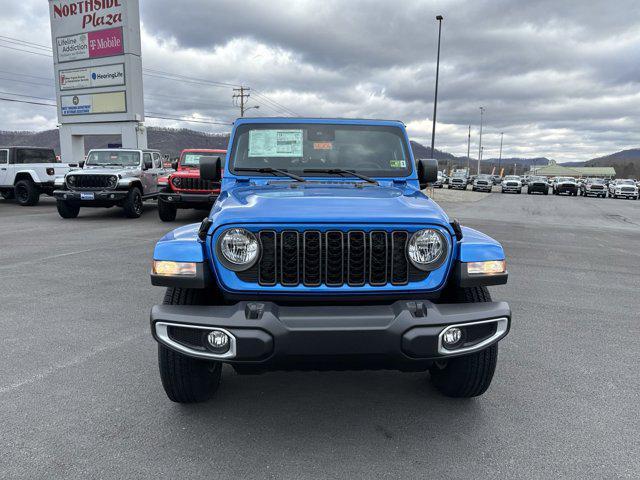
[
  {"x": 238, "y": 248},
  {"x": 71, "y": 180},
  {"x": 427, "y": 249},
  {"x": 112, "y": 181},
  {"x": 176, "y": 181}
]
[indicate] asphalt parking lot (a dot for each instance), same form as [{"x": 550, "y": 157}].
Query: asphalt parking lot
[{"x": 80, "y": 395}]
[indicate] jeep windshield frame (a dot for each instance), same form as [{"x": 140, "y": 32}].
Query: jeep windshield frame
[
  {"x": 111, "y": 158},
  {"x": 376, "y": 151}
]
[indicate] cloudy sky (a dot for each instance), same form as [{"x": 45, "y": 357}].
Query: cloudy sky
[{"x": 559, "y": 78}]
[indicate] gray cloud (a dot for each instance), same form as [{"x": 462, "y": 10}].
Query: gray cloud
[{"x": 561, "y": 79}]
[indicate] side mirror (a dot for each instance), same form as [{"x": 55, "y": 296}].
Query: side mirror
[
  {"x": 427, "y": 171},
  {"x": 148, "y": 164},
  {"x": 211, "y": 168},
  {"x": 174, "y": 164},
  {"x": 81, "y": 163}
]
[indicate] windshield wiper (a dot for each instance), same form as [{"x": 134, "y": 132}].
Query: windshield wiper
[
  {"x": 270, "y": 170},
  {"x": 341, "y": 171}
]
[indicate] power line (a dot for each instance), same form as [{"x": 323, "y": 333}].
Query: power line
[
  {"x": 27, "y": 51},
  {"x": 35, "y": 45},
  {"x": 26, "y": 101}
]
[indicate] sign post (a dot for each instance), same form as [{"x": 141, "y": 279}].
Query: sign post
[{"x": 98, "y": 70}]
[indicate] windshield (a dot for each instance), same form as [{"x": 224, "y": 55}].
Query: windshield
[
  {"x": 512, "y": 178},
  {"x": 596, "y": 180},
  {"x": 109, "y": 157},
  {"x": 484, "y": 177},
  {"x": 566, "y": 179},
  {"x": 538, "y": 179},
  {"x": 192, "y": 159},
  {"x": 626, "y": 182},
  {"x": 376, "y": 151}
]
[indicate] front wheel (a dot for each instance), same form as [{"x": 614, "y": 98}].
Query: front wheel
[
  {"x": 469, "y": 375},
  {"x": 67, "y": 210},
  {"x": 166, "y": 211},
  {"x": 186, "y": 379},
  {"x": 133, "y": 203}
]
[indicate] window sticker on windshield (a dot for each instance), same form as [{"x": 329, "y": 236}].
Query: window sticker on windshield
[
  {"x": 397, "y": 164},
  {"x": 322, "y": 145},
  {"x": 275, "y": 143}
]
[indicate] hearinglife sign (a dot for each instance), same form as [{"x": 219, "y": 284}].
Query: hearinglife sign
[{"x": 98, "y": 70}]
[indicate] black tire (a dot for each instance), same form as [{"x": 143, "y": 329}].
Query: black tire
[
  {"x": 187, "y": 379},
  {"x": 67, "y": 210},
  {"x": 133, "y": 205},
  {"x": 8, "y": 194},
  {"x": 27, "y": 193},
  {"x": 166, "y": 211},
  {"x": 470, "y": 375},
  {"x": 546, "y": 192}
]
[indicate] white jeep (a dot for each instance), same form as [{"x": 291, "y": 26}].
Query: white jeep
[{"x": 28, "y": 172}]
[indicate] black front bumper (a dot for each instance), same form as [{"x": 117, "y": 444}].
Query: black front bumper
[
  {"x": 188, "y": 200},
  {"x": 100, "y": 198},
  {"x": 404, "y": 335},
  {"x": 538, "y": 187},
  {"x": 567, "y": 188}
]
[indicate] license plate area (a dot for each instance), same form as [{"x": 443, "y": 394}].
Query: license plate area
[{"x": 87, "y": 196}]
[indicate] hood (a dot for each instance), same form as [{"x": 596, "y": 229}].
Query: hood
[
  {"x": 90, "y": 170},
  {"x": 326, "y": 203},
  {"x": 187, "y": 173}
]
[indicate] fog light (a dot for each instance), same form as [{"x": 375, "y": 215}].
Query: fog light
[
  {"x": 112, "y": 196},
  {"x": 452, "y": 336},
  {"x": 170, "y": 199},
  {"x": 218, "y": 341}
]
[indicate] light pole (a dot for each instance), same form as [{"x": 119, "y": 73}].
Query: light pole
[
  {"x": 469, "y": 151},
  {"x": 439, "y": 18},
  {"x": 480, "y": 145},
  {"x": 500, "y": 157}
]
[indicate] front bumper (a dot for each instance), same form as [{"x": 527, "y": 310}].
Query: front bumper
[
  {"x": 104, "y": 196},
  {"x": 188, "y": 200},
  {"x": 595, "y": 192},
  {"x": 567, "y": 188},
  {"x": 405, "y": 335},
  {"x": 511, "y": 188},
  {"x": 485, "y": 188}
]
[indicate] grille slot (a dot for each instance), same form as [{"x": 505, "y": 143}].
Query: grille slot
[
  {"x": 91, "y": 182},
  {"x": 333, "y": 258},
  {"x": 188, "y": 183}
]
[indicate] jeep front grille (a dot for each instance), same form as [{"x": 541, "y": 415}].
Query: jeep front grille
[
  {"x": 333, "y": 258},
  {"x": 187, "y": 183},
  {"x": 91, "y": 182}
]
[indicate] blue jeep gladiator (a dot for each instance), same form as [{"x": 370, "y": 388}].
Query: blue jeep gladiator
[{"x": 322, "y": 252}]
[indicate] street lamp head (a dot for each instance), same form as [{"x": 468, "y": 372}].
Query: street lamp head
[{"x": 439, "y": 18}]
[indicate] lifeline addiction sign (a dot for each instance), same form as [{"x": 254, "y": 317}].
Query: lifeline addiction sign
[{"x": 97, "y": 44}]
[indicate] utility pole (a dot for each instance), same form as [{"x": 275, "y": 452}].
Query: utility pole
[
  {"x": 480, "y": 145},
  {"x": 500, "y": 157},
  {"x": 469, "y": 151},
  {"x": 239, "y": 93},
  {"x": 439, "y": 18}
]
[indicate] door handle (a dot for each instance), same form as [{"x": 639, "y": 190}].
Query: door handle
[{"x": 3, "y": 169}]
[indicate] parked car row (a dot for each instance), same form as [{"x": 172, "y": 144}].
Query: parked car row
[
  {"x": 596, "y": 187},
  {"x": 111, "y": 177}
]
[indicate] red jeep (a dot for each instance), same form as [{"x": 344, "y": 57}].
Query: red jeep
[{"x": 184, "y": 188}]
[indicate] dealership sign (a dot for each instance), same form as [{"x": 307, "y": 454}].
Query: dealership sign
[{"x": 92, "y": 77}]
